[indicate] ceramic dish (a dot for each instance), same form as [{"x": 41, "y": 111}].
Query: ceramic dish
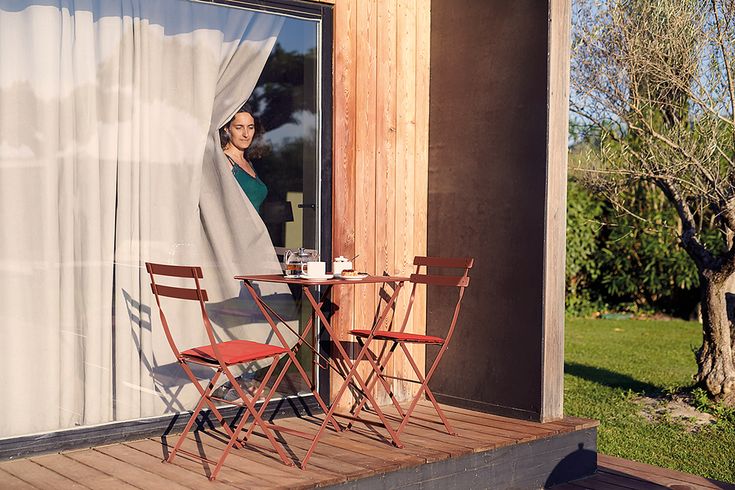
[
  {"x": 352, "y": 278},
  {"x": 316, "y": 278}
]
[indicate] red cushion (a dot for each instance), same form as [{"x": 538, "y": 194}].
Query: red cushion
[
  {"x": 235, "y": 351},
  {"x": 401, "y": 337}
]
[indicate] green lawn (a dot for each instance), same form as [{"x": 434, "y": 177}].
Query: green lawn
[{"x": 609, "y": 362}]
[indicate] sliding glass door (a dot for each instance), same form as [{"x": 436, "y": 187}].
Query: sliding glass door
[{"x": 110, "y": 158}]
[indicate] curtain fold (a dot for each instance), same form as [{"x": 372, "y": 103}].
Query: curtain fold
[{"x": 105, "y": 113}]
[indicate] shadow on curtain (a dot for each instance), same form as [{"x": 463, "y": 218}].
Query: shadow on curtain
[{"x": 108, "y": 159}]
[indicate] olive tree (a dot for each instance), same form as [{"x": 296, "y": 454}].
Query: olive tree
[{"x": 654, "y": 81}]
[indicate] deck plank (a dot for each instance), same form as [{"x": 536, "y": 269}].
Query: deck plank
[
  {"x": 627, "y": 481},
  {"x": 400, "y": 458},
  {"x": 124, "y": 471},
  {"x": 593, "y": 483},
  {"x": 11, "y": 482},
  {"x": 155, "y": 464},
  {"x": 558, "y": 426},
  {"x": 38, "y": 476},
  {"x": 663, "y": 476},
  {"x": 89, "y": 476},
  {"x": 414, "y": 435},
  {"x": 380, "y": 446},
  {"x": 265, "y": 471},
  {"x": 620, "y": 474},
  {"x": 356, "y": 451},
  {"x": 490, "y": 424},
  {"x": 474, "y": 440},
  {"x": 324, "y": 458},
  {"x": 467, "y": 427},
  {"x": 567, "y": 424},
  {"x": 228, "y": 480},
  {"x": 267, "y": 466},
  {"x": 459, "y": 445}
]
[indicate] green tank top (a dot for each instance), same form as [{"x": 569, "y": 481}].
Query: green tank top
[{"x": 253, "y": 187}]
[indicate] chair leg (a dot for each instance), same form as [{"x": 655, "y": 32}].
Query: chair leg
[
  {"x": 267, "y": 398},
  {"x": 424, "y": 389},
  {"x": 250, "y": 410},
  {"x": 202, "y": 400},
  {"x": 439, "y": 411},
  {"x": 210, "y": 404},
  {"x": 376, "y": 375}
]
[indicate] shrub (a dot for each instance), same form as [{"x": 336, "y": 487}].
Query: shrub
[
  {"x": 584, "y": 225},
  {"x": 630, "y": 258}
]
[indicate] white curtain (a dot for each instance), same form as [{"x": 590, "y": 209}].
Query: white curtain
[{"x": 105, "y": 111}]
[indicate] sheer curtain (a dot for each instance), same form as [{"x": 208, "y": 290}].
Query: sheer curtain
[{"x": 105, "y": 111}]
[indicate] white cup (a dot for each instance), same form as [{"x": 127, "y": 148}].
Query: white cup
[{"x": 314, "y": 269}]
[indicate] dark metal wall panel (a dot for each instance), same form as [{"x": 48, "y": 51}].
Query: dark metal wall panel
[
  {"x": 537, "y": 464},
  {"x": 487, "y": 175}
]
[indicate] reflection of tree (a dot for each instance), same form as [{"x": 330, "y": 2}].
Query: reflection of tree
[
  {"x": 285, "y": 88},
  {"x": 285, "y": 95}
]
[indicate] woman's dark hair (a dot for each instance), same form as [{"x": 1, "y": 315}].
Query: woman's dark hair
[{"x": 257, "y": 147}]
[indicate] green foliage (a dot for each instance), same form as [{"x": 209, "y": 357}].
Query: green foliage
[
  {"x": 700, "y": 399},
  {"x": 584, "y": 214},
  {"x": 642, "y": 259},
  {"x": 627, "y": 258},
  {"x": 703, "y": 403}
]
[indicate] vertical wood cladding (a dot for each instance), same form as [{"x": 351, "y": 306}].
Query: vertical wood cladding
[{"x": 381, "y": 101}]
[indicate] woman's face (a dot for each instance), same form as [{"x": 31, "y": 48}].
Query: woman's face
[{"x": 242, "y": 130}]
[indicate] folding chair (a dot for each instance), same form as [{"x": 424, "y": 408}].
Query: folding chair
[
  {"x": 220, "y": 356},
  {"x": 402, "y": 338}
]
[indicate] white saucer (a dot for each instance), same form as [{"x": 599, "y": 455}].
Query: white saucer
[
  {"x": 317, "y": 278},
  {"x": 352, "y": 278}
]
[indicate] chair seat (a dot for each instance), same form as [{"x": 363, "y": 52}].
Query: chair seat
[
  {"x": 235, "y": 351},
  {"x": 399, "y": 336}
]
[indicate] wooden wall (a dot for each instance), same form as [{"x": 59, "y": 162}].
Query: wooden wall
[{"x": 381, "y": 128}]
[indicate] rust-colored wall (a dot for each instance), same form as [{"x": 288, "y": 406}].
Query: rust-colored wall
[{"x": 487, "y": 196}]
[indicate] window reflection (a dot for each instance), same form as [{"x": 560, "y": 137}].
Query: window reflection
[{"x": 286, "y": 104}]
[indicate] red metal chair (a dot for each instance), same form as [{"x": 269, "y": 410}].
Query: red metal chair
[
  {"x": 219, "y": 356},
  {"x": 401, "y": 338}
]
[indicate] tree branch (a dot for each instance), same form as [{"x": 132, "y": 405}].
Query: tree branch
[
  {"x": 701, "y": 256},
  {"x": 720, "y": 44}
]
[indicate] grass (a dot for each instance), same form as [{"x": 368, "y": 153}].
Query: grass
[{"x": 609, "y": 363}]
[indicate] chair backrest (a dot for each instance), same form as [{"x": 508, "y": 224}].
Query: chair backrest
[
  {"x": 191, "y": 294},
  {"x": 464, "y": 264},
  {"x": 191, "y": 272}
]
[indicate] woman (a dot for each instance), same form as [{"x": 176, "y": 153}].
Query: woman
[{"x": 236, "y": 137}]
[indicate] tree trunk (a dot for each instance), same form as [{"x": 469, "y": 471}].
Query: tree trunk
[{"x": 715, "y": 357}]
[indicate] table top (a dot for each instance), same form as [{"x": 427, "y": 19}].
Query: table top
[{"x": 278, "y": 278}]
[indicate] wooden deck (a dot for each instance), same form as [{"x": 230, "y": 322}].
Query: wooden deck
[
  {"x": 620, "y": 474},
  {"x": 360, "y": 458},
  {"x": 350, "y": 459}
]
